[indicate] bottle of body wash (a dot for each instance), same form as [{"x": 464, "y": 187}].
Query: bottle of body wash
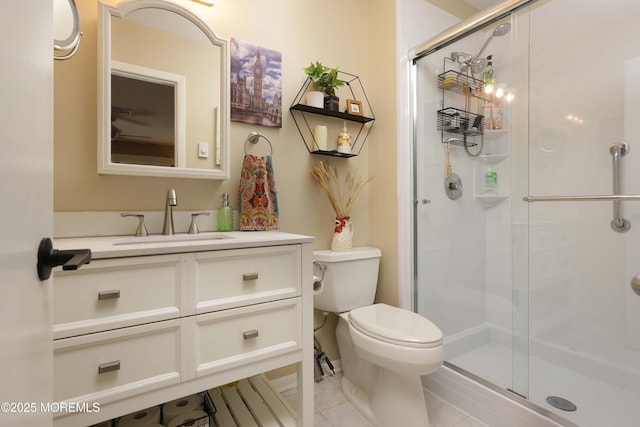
[
  {"x": 490, "y": 178},
  {"x": 225, "y": 214}
]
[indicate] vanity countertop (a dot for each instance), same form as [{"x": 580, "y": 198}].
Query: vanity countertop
[{"x": 126, "y": 246}]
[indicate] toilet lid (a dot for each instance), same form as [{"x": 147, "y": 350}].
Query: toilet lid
[{"x": 396, "y": 326}]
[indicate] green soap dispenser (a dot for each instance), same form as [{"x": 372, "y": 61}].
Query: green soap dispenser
[{"x": 225, "y": 214}]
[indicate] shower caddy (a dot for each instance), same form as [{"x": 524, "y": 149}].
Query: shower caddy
[{"x": 468, "y": 125}]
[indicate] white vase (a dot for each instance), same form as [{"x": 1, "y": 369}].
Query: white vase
[
  {"x": 343, "y": 235},
  {"x": 315, "y": 99}
]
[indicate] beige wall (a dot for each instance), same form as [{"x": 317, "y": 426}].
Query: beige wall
[
  {"x": 382, "y": 155},
  {"x": 358, "y": 36}
]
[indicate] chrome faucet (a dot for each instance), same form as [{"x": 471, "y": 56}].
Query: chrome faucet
[{"x": 172, "y": 200}]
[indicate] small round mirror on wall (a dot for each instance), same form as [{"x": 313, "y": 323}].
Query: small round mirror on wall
[{"x": 66, "y": 29}]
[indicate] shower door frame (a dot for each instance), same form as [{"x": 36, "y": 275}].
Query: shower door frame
[{"x": 447, "y": 37}]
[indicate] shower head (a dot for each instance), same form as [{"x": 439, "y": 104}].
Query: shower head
[
  {"x": 475, "y": 63},
  {"x": 502, "y": 29},
  {"x": 478, "y": 64},
  {"x": 499, "y": 31}
]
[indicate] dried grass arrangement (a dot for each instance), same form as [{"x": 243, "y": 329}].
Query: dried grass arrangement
[{"x": 341, "y": 194}]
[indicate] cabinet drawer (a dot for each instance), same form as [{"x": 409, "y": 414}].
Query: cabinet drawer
[
  {"x": 117, "y": 364},
  {"x": 246, "y": 276},
  {"x": 114, "y": 293},
  {"x": 235, "y": 337}
]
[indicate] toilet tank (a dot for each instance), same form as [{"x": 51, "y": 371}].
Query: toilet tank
[{"x": 350, "y": 278}]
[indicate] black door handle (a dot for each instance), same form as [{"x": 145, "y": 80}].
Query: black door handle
[{"x": 48, "y": 258}]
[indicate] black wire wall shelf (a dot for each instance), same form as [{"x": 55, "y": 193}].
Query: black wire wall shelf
[{"x": 306, "y": 116}]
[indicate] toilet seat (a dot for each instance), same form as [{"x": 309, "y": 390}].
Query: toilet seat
[{"x": 396, "y": 326}]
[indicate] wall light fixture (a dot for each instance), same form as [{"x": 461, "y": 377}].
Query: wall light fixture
[{"x": 208, "y": 2}]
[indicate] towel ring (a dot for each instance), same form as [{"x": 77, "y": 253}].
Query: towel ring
[{"x": 253, "y": 138}]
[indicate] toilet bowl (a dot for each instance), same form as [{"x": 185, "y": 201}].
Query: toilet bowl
[{"x": 383, "y": 349}]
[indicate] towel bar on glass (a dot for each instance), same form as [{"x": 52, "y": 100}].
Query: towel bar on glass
[
  {"x": 606, "y": 198},
  {"x": 618, "y": 223}
]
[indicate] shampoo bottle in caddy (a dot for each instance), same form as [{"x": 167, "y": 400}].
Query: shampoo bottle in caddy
[{"x": 225, "y": 214}]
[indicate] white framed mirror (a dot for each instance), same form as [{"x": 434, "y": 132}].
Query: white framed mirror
[{"x": 163, "y": 98}]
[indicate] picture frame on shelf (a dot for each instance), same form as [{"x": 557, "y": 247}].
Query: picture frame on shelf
[{"x": 354, "y": 107}]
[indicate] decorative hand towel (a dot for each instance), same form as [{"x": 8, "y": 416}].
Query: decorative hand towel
[{"x": 258, "y": 195}]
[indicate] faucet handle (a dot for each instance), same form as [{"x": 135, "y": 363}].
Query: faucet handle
[
  {"x": 193, "y": 228},
  {"x": 141, "y": 231}
]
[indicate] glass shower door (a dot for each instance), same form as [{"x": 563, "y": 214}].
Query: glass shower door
[
  {"x": 463, "y": 226},
  {"x": 584, "y": 319}
]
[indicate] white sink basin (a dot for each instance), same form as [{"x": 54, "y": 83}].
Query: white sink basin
[{"x": 174, "y": 238}]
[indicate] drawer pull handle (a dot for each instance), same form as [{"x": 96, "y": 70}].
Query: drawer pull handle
[
  {"x": 108, "y": 367},
  {"x": 250, "y": 334},
  {"x": 113, "y": 294},
  {"x": 250, "y": 276}
]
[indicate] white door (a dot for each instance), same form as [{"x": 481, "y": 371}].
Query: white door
[{"x": 26, "y": 202}]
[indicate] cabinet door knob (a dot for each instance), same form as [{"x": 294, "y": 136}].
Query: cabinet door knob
[
  {"x": 250, "y": 334},
  {"x": 249, "y": 276},
  {"x": 112, "y": 294},
  {"x": 109, "y": 367}
]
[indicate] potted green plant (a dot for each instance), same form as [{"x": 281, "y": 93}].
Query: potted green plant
[
  {"x": 327, "y": 80},
  {"x": 315, "y": 97},
  {"x": 315, "y": 71}
]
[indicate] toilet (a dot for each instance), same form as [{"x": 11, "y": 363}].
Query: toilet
[{"x": 383, "y": 349}]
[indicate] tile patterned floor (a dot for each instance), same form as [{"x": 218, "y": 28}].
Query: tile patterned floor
[{"x": 333, "y": 410}]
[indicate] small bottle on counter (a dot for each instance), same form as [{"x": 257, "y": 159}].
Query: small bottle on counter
[{"x": 225, "y": 214}]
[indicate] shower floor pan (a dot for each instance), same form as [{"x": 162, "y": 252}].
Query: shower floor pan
[
  {"x": 599, "y": 401},
  {"x": 251, "y": 402}
]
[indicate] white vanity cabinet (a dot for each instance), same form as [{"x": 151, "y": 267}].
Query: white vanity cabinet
[
  {"x": 144, "y": 324},
  {"x": 115, "y": 293},
  {"x": 107, "y": 366},
  {"x": 227, "y": 279}
]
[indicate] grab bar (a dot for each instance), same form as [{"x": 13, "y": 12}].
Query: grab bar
[
  {"x": 618, "y": 223},
  {"x": 617, "y": 150}
]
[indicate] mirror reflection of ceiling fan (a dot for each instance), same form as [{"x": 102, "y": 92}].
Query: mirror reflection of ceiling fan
[
  {"x": 118, "y": 134},
  {"x": 124, "y": 114}
]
